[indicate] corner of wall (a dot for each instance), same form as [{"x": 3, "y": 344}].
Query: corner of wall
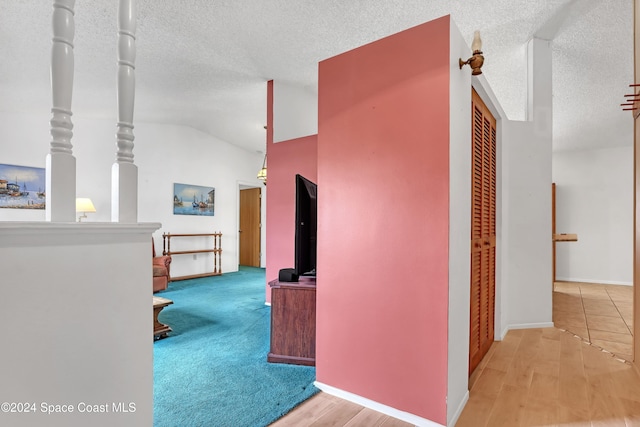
[{"x": 459, "y": 226}]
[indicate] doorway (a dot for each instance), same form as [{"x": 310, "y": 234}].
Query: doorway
[
  {"x": 590, "y": 285},
  {"x": 250, "y": 227}
]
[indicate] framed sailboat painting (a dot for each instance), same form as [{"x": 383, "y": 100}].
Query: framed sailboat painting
[
  {"x": 22, "y": 187},
  {"x": 193, "y": 200}
]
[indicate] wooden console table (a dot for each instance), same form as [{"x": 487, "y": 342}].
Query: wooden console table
[
  {"x": 293, "y": 322},
  {"x": 216, "y": 250}
]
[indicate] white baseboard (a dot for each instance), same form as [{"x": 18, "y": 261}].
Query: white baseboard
[
  {"x": 378, "y": 407},
  {"x": 456, "y": 415},
  {"x": 602, "y": 282},
  {"x": 267, "y": 303},
  {"x": 526, "y": 326}
]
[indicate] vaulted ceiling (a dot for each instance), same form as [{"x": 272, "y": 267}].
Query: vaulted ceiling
[{"x": 204, "y": 63}]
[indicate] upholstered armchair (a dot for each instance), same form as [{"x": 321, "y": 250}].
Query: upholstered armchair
[{"x": 160, "y": 270}]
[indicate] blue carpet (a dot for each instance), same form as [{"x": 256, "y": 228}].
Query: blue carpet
[{"x": 212, "y": 369}]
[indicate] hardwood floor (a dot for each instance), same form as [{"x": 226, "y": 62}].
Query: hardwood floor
[
  {"x": 576, "y": 374},
  {"x": 536, "y": 377},
  {"x": 549, "y": 377},
  {"x": 324, "y": 410}
]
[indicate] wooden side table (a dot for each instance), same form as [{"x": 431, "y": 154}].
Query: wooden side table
[{"x": 160, "y": 330}]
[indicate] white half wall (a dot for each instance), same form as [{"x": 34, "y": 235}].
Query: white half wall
[
  {"x": 164, "y": 154},
  {"x": 295, "y": 111},
  {"x": 76, "y": 310},
  {"x": 594, "y": 199}
]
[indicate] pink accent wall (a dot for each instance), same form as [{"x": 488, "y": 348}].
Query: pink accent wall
[
  {"x": 383, "y": 197},
  {"x": 284, "y": 160}
]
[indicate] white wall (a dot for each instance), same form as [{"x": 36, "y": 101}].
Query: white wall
[
  {"x": 295, "y": 111},
  {"x": 526, "y": 294},
  {"x": 527, "y": 184},
  {"x": 164, "y": 154},
  {"x": 594, "y": 199}
]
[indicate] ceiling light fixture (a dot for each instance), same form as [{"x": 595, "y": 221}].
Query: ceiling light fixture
[
  {"x": 262, "y": 174},
  {"x": 476, "y": 60}
]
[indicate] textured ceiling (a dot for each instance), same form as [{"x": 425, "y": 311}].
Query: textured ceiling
[{"x": 204, "y": 63}]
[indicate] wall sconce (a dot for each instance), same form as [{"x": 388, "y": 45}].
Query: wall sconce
[
  {"x": 262, "y": 174},
  {"x": 476, "y": 61},
  {"x": 85, "y": 206}
]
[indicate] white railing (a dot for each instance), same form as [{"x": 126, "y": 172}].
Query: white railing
[
  {"x": 60, "y": 163},
  {"x": 124, "y": 173}
]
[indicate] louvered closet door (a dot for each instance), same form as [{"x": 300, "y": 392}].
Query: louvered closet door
[{"x": 483, "y": 231}]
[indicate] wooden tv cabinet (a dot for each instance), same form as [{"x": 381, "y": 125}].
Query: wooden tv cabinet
[{"x": 293, "y": 322}]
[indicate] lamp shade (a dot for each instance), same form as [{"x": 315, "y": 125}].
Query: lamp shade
[
  {"x": 476, "y": 44},
  {"x": 262, "y": 174},
  {"x": 84, "y": 205}
]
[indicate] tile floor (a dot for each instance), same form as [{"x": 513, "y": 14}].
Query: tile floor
[{"x": 600, "y": 314}]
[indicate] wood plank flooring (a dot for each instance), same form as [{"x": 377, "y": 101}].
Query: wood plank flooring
[
  {"x": 549, "y": 377},
  {"x": 576, "y": 374},
  {"x": 324, "y": 410},
  {"x": 535, "y": 377}
]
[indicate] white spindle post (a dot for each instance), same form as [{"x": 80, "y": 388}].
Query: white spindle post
[
  {"x": 124, "y": 173},
  {"x": 60, "y": 163}
]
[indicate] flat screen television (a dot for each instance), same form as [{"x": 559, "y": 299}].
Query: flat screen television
[{"x": 306, "y": 226}]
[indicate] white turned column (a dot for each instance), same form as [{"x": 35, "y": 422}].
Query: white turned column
[
  {"x": 60, "y": 164},
  {"x": 124, "y": 173}
]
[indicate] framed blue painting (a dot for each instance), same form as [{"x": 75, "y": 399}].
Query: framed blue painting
[
  {"x": 193, "y": 200},
  {"x": 22, "y": 187}
]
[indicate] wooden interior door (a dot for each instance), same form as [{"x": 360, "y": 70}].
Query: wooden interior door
[
  {"x": 250, "y": 227},
  {"x": 483, "y": 231}
]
